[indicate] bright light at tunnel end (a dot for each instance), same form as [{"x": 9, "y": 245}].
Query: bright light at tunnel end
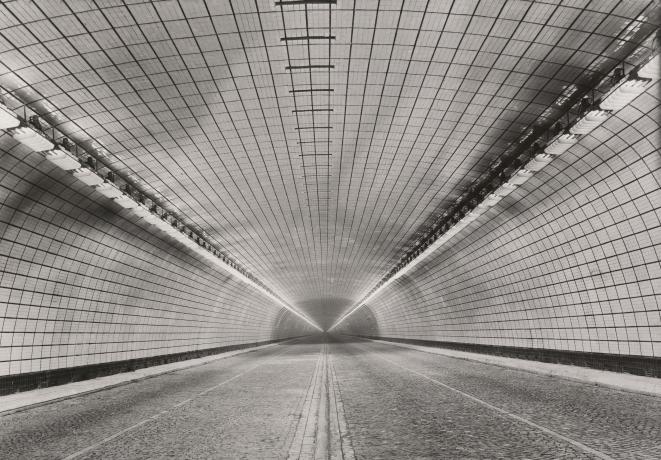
[
  {"x": 266, "y": 292},
  {"x": 345, "y": 316},
  {"x": 300, "y": 315}
]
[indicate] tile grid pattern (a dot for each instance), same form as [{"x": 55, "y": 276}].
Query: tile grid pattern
[
  {"x": 568, "y": 262},
  {"x": 84, "y": 282},
  {"x": 193, "y": 100}
]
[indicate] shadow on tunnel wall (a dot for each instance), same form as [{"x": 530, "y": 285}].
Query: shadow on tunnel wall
[{"x": 88, "y": 289}]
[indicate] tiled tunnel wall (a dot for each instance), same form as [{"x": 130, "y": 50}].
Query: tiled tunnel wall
[
  {"x": 570, "y": 261},
  {"x": 84, "y": 282}
]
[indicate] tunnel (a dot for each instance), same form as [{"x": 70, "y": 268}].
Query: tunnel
[{"x": 330, "y": 229}]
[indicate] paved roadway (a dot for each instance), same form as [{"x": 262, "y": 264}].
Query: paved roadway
[{"x": 341, "y": 398}]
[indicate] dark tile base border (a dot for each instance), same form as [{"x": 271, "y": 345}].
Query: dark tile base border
[
  {"x": 630, "y": 364},
  {"x": 10, "y": 384}
]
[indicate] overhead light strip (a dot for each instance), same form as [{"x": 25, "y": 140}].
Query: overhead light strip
[
  {"x": 590, "y": 117},
  {"x": 66, "y": 155}
]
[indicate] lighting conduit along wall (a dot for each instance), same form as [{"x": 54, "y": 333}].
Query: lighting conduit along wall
[
  {"x": 66, "y": 155},
  {"x": 624, "y": 90}
]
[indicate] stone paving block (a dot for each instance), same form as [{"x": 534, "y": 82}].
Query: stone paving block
[{"x": 341, "y": 400}]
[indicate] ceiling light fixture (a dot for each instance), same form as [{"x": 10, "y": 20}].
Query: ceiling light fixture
[
  {"x": 125, "y": 202},
  {"x": 537, "y": 163},
  {"x": 61, "y": 158},
  {"x": 623, "y": 94},
  {"x": 8, "y": 119},
  {"x": 88, "y": 177},
  {"x": 31, "y": 139},
  {"x": 651, "y": 69},
  {"x": 521, "y": 176},
  {"x": 561, "y": 143},
  {"x": 505, "y": 189},
  {"x": 109, "y": 190},
  {"x": 491, "y": 200},
  {"x": 589, "y": 121}
]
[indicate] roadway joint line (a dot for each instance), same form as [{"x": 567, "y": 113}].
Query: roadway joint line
[
  {"x": 341, "y": 446},
  {"x": 500, "y": 410},
  {"x": 323, "y": 435},
  {"x": 163, "y": 412},
  {"x": 303, "y": 444}
]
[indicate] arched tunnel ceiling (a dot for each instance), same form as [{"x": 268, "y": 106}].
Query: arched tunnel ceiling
[{"x": 313, "y": 142}]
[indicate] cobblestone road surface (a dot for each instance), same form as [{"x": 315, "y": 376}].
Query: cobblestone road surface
[{"x": 341, "y": 399}]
